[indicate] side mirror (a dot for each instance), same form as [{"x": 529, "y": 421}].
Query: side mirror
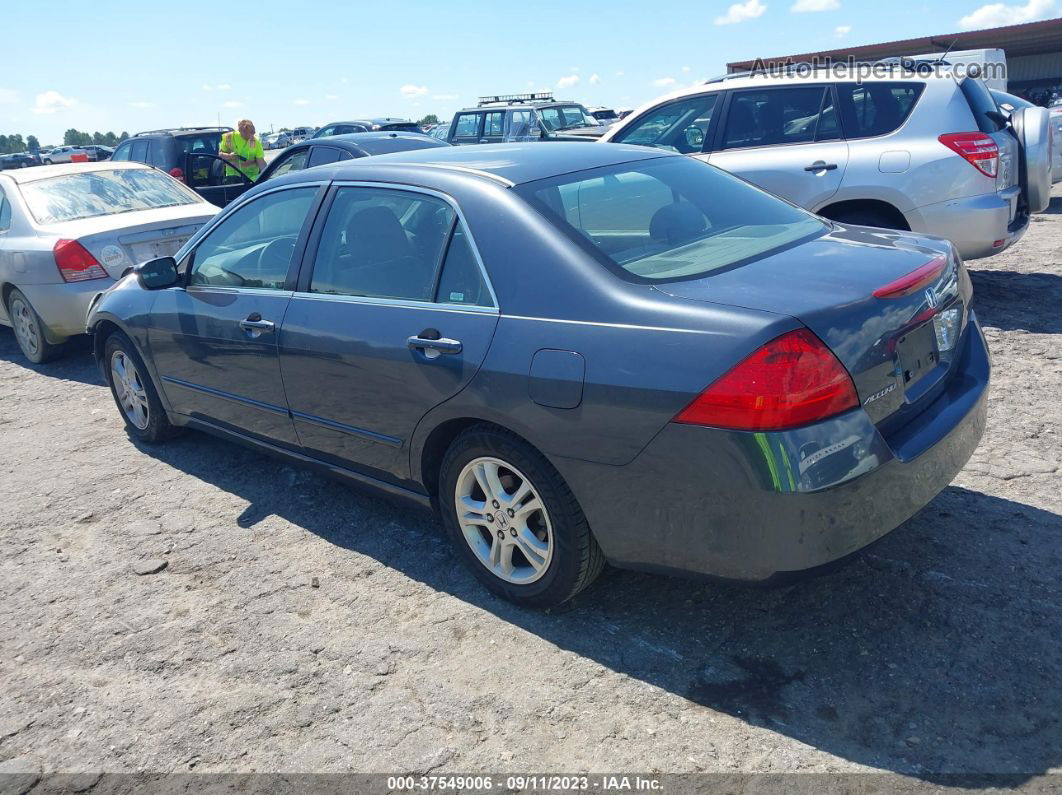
[{"x": 157, "y": 274}]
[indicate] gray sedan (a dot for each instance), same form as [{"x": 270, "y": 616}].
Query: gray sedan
[
  {"x": 67, "y": 232},
  {"x": 574, "y": 354}
]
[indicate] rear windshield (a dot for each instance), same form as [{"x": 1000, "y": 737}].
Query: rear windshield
[
  {"x": 669, "y": 218},
  {"x": 981, "y": 104},
  {"x": 95, "y": 193},
  {"x": 200, "y": 144}
]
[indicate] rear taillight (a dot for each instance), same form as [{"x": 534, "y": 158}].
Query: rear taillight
[
  {"x": 177, "y": 173},
  {"x": 915, "y": 280},
  {"x": 75, "y": 263},
  {"x": 976, "y": 148},
  {"x": 790, "y": 381}
]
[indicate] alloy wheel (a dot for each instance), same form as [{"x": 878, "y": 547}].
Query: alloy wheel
[
  {"x": 129, "y": 387},
  {"x": 24, "y": 321},
  {"x": 504, "y": 520}
]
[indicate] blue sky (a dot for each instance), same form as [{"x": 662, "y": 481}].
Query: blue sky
[{"x": 132, "y": 66}]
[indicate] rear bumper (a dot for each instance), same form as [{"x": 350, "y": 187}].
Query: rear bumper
[
  {"x": 975, "y": 223},
  {"x": 752, "y": 506},
  {"x": 63, "y": 307}
]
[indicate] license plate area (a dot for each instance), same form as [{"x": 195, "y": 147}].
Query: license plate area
[
  {"x": 918, "y": 354},
  {"x": 153, "y": 249}
]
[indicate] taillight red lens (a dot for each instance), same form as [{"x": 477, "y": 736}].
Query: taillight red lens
[
  {"x": 792, "y": 380},
  {"x": 177, "y": 173},
  {"x": 915, "y": 280},
  {"x": 976, "y": 148},
  {"x": 75, "y": 263}
]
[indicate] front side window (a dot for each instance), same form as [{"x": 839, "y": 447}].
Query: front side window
[
  {"x": 254, "y": 245},
  {"x": 493, "y": 124},
  {"x": 668, "y": 218},
  {"x": 139, "y": 152},
  {"x": 870, "y": 109},
  {"x": 521, "y": 125},
  {"x": 296, "y": 161},
  {"x": 381, "y": 243},
  {"x": 122, "y": 152},
  {"x": 776, "y": 116},
  {"x": 680, "y": 126},
  {"x": 95, "y": 193},
  {"x": 467, "y": 126}
]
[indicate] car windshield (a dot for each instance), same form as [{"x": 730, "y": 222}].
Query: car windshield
[
  {"x": 565, "y": 117},
  {"x": 668, "y": 218},
  {"x": 95, "y": 193}
]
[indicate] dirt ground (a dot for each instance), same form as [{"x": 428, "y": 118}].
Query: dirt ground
[{"x": 299, "y": 625}]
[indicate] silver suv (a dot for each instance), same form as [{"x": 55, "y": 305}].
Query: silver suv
[{"x": 902, "y": 149}]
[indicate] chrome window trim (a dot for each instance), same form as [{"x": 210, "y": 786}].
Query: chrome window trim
[{"x": 405, "y": 302}]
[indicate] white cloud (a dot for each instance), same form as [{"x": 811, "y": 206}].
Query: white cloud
[
  {"x": 331, "y": 97},
  {"x": 344, "y": 80},
  {"x": 619, "y": 74},
  {"x": 568, "y": 81},
  {"x": 842, "y": 30},
  {"x": 573, "y": 69},
  {"x": 302, "y": 102},
  {"x": 595, "y": 78},
  {"x": 51, "y": 102},
  {"x": 445, "y": 97},
  {"x": 686, "y": 69},
  {"x": 409, "y": 91},
  {"x": 8, "y": 96},
  {"x": 141, "y": 104},
  {"x": 664, "y": 82},
  {"x": 232, "y": 104},
  {"x": 997, "y": 14},
  {"x": 740, "y": 12},
  {"x": 218, "y": 87},
  {"x": 802, "y": 6}
]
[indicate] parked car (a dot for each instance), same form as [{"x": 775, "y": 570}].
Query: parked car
[
  {"x": 97, "y": 154},
  {"x": 523, "y": 117},
  {"x": 19, "y": 160},
  {"x": 604, "y": 115},
  {"x": 440, "y": 131},
  {"x": 574, "y": 353},
  {"x": 62, "y": 154},
  {"x": 387, "y": 124},
  {"x": 906, "y": 151},
  {"x": 342, "y": 128},
  {"x": 188, "y": 154},
  {"x": 302, "y": 133},
  {"x": 1010, "y": 104},
  {"x": 277, "y": 140},
  {"x": 67, "y": 232}
]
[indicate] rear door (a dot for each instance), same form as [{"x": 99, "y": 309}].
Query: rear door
[
  {"x": 493, "y": 127},
  {"x": 786, "y": 139},
  {"x": 214, "y": 341},
  {"x": 392, "y": 316},
  {"x": 207, "y": 175}
]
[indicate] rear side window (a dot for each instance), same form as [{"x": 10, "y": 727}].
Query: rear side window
[
  {"x": 680, "y": 126},
  {"x": 779, "y": 116},
  {"x": 319, "y": 155},
  {"x": 870, "y": 109},
  {"x": 493, "y": 123},
  {"x": 467, "y": 126},
  {"x": 462, "y": 281},
  {"x": 981, "y": 104},
  {"x": 199, "y": 144},
  {"x": 5, "y": 213}
]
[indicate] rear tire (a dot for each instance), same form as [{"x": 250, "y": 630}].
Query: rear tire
[
  {"x": 134, "y": 392},
  {"x": 513, "y": 520},
  {"x": 29, "y": 330}
]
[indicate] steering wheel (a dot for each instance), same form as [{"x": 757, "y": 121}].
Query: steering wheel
[{"x": 276, "y": 256}]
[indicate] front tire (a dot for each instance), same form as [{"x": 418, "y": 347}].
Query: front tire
[
  {"x": 513, "y": 520},
  {"x": 29, "y": 330},
  {"x": 134, "y": 393}
]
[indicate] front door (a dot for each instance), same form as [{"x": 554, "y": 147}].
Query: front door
[
  {"x": 214, "y": 341},
  {"x": 207, "y": 175},
  {"x": 394, "y": 318},
  {"x": 786, "y": 140}
]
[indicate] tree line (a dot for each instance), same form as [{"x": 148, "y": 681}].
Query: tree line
[{"x": 72, "y": 137}]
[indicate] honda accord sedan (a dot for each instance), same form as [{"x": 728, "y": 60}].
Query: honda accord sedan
[{"x": 576, "y": 355}]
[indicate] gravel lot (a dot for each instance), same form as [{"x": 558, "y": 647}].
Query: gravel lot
[{"x": 302, "y": 626}]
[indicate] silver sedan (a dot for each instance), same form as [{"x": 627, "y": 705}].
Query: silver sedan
[{"x": 68, "y": 232}]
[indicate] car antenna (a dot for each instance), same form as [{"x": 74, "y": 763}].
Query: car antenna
[{"x": 944, "y": 55}]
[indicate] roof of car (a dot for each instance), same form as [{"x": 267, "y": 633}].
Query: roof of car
[
  {"x": 383, "y": 142},
  {"x": 24, "y": 175},
  {"x": 513, "y": 163}
]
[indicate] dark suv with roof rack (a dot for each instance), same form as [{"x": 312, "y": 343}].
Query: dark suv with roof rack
[
  {"x": 189, "y": 154},
  {"x": 523, "y": 117}
]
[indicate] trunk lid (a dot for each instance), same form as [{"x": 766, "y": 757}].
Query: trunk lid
[
  {"x": 899, "y": 350},
  {"x": 123, "y": 240}
]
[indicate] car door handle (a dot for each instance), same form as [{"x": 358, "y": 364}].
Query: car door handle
[
  {"x": 821, "y": 165},
  {"x": 254, "y": 323},
  {"x": 439, "y": 345}
]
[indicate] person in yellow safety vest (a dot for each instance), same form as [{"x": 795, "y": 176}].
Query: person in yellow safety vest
[{"x": 243, "y": 150}]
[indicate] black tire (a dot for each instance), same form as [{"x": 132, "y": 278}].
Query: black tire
[
  {"x": 157, "y": 426},
  {"x": 864, "y": 218},
  {"x": 29, "y": 330},
  {"x": 575, "y": 560}
]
